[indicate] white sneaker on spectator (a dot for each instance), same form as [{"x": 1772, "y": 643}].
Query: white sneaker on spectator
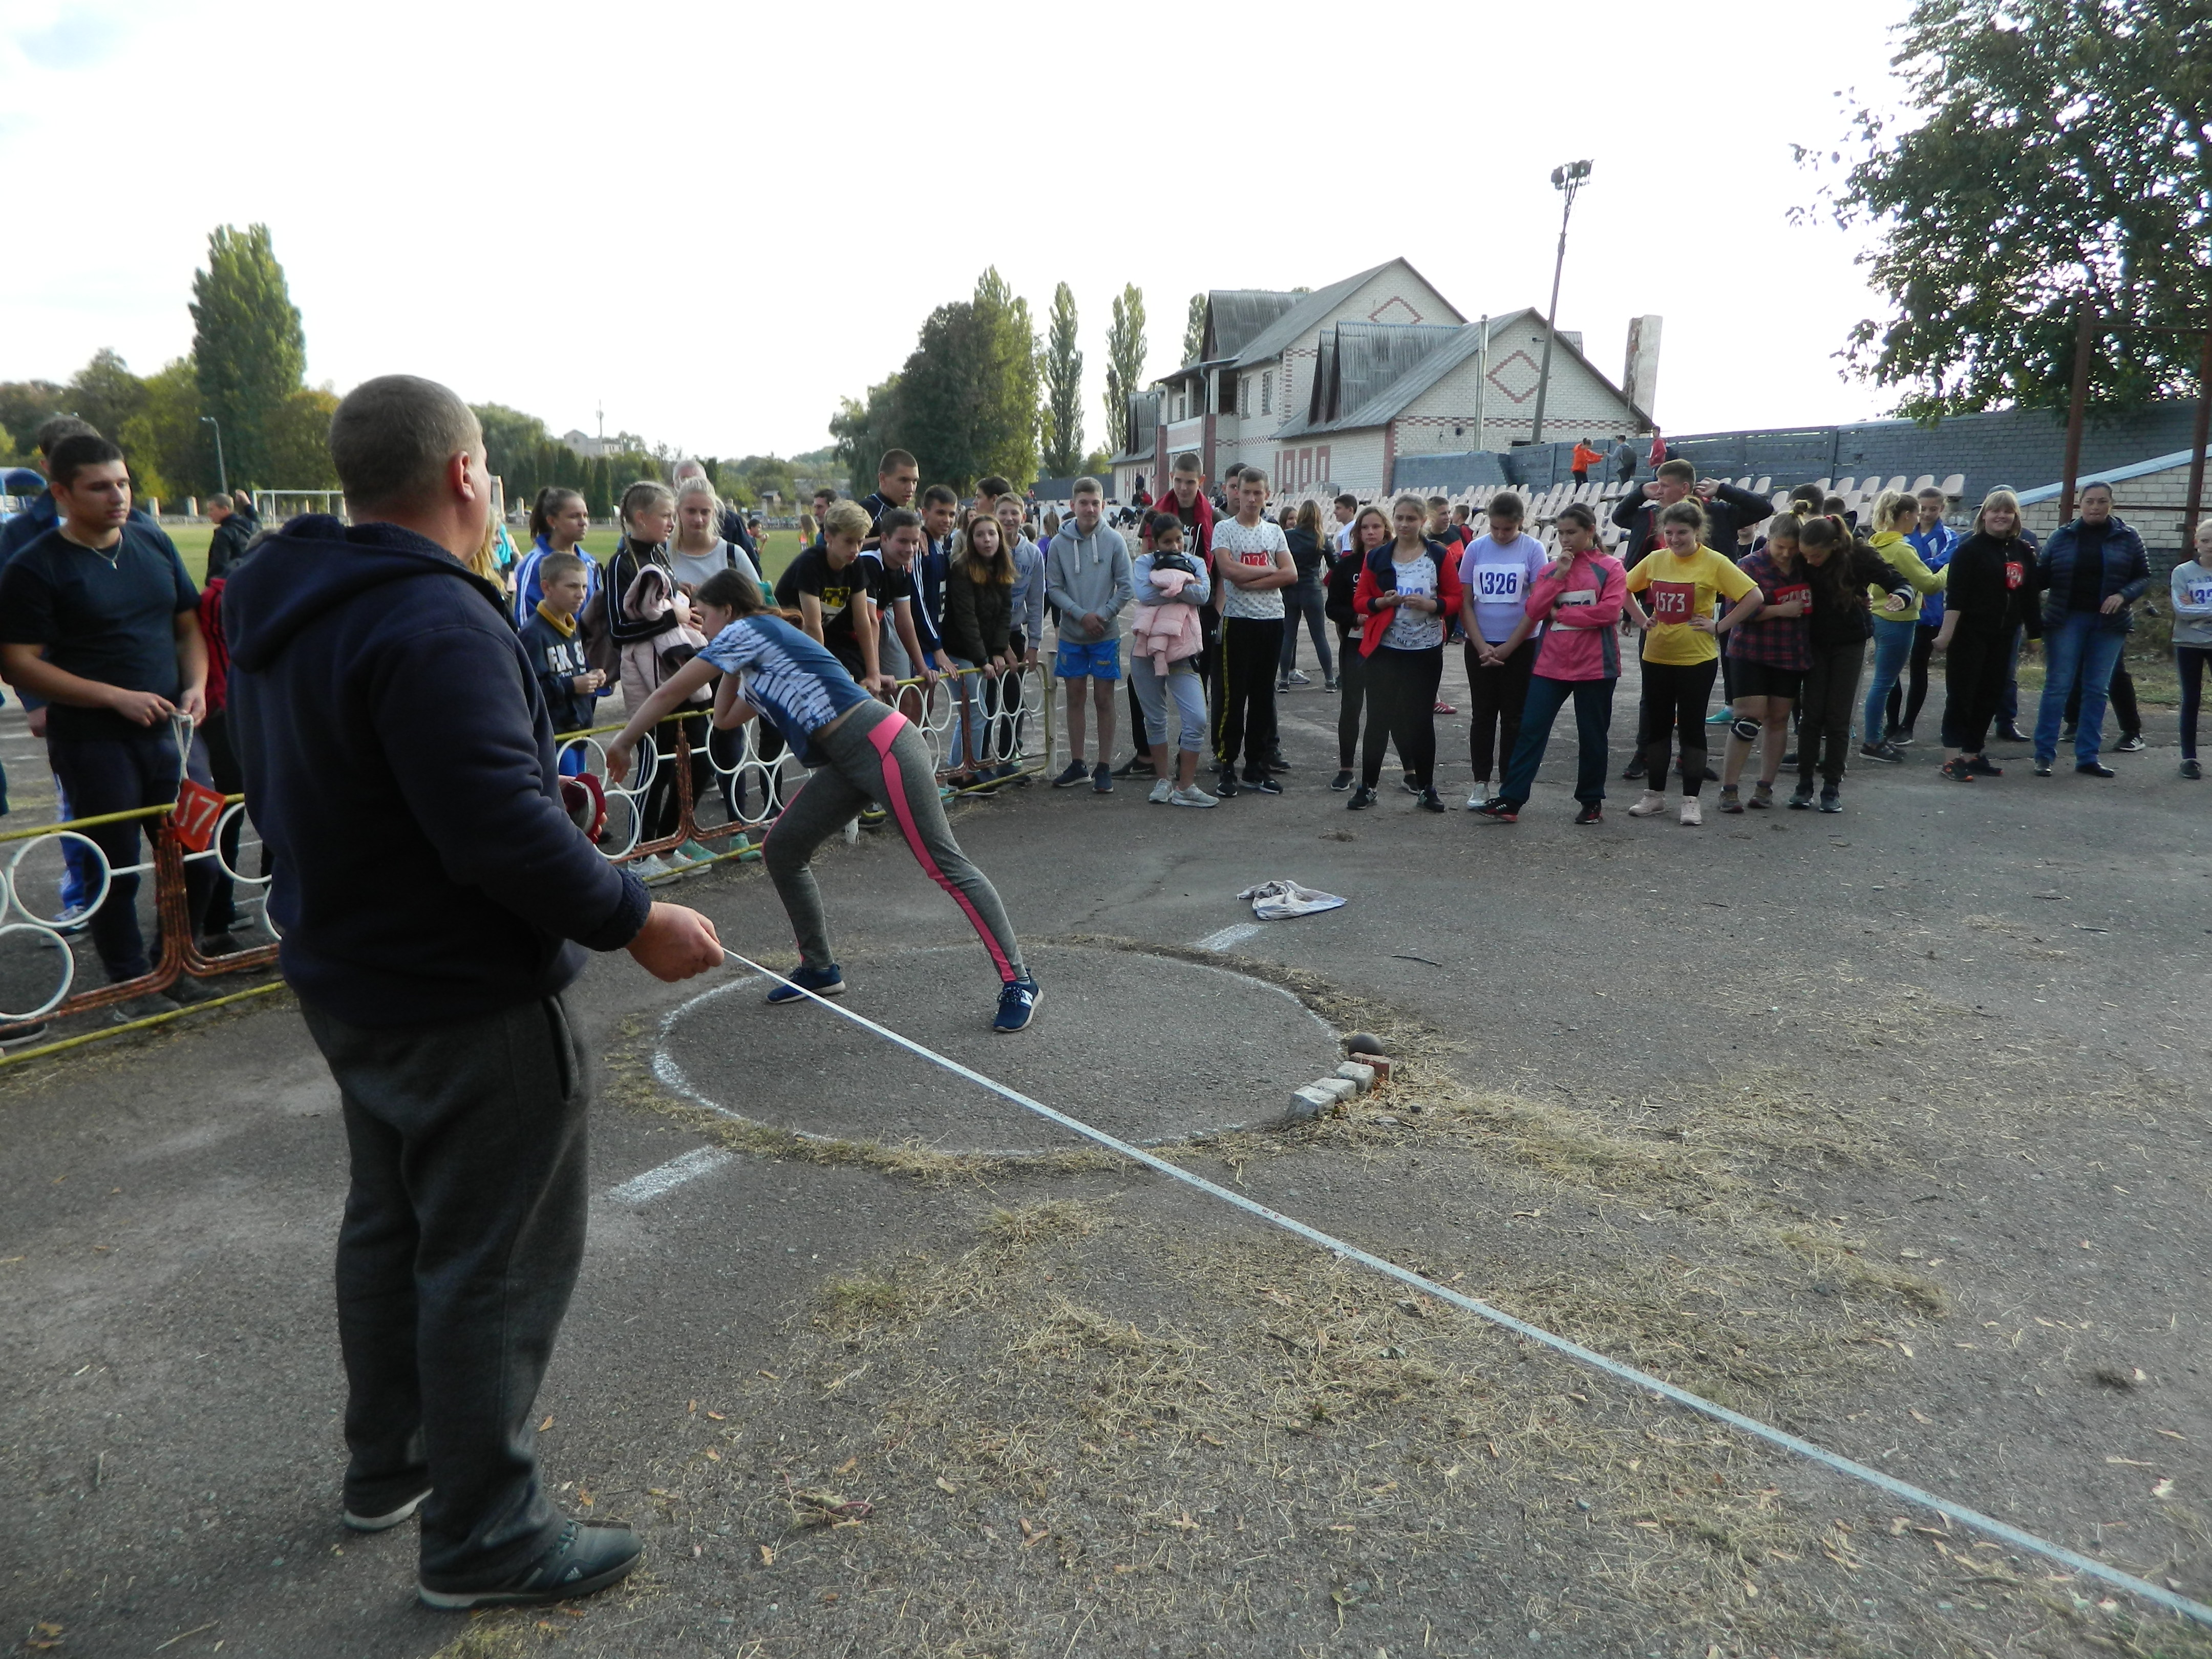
[
  {"x": 1648, "y": 805},
  {"x": 649, "y": 868},
  {"x": 1297, "y": 677},
  {"x": 1161, "y": 790},
  {"x": 1192, "y": 796},
  {"x": 1481, "y": 793},
  {"x": 1692, "y": 814}
]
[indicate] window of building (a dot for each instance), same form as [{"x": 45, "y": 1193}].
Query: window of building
[
  {"x": 1267, "y": 393},
  {"x": 1244, "y": 395}
]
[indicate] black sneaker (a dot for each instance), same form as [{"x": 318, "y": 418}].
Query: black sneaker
[
  {"x": 1226, "y": 785},
  {"x": 1077, "y": 773},
  {"x": 1789, "y": 760},
  {"x": 1801, "y": 798},
  {"x": 1958, "y": 771},
  {"x": 1406, "y": 782},
  {"x": 1018, "y": 1001},
  {"x": 1830, "y": 801},
  {"x": 1361, "y": 798},
  {"x": 221, "y": 945},
  {"x": 1102, "y": 779},
  {"x": 185, "y": 990},
  {"x": 1591, "y": 813},
  {"x": 1264, "y": 785},
  {"x": 1430, "y": 801},
  {"x": 1277, "y": 762},
  {"x": 2190, "y": 769},
  {"x": 2012, "y": 733},
  {"x": 1983, "y": 767},
  {"x": 151, "y": 1006},
  {"x": 1887, "y": 754},
  {"x": 1137, "y": 766},
  {"x": 382, "y": 1520},
  {"x": 2096, "y": 769},
  {"x": 1342, "y": 780},
  {"x": 586, "y": 1559},
  {"x": 823, "y": 982},
  {"x": 1901, "y": 738},
  {"x": 2132, "y": 743},
  {"x": 1634, "y": 769}
]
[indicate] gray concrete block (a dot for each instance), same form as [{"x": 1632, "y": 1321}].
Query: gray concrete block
[
  {"x": 1360, "y": 1075},
  {"x": 1307, "y": 1104}
]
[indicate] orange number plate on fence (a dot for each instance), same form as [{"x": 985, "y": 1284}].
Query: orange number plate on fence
[{"x": 199, "y": 809}]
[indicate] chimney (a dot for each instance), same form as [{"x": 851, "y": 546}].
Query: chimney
[{"x": 1639, "y": 380}]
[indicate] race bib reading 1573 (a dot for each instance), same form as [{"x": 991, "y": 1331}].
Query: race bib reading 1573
[{"x": 1673, "y": 602}]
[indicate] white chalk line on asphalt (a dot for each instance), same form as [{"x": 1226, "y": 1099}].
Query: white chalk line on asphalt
[
  {"x": 1235, "y": 934},
  {"x": 1901, "y": 1490},
  {"x": 667, "y": 1177}
]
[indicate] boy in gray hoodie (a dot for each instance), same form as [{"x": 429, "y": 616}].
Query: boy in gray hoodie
[{"x": 1089, "y": 581}]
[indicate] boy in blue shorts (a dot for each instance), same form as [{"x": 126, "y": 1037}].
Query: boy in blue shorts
[{"x": 1089, "y": 581}]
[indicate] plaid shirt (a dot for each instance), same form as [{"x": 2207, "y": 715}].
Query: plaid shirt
[{"x": 1784, "y": 642}]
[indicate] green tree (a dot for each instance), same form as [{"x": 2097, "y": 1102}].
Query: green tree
[
  {"x": 171, "y": 455},
  {"x": 248, "y": 347},
  {"x": 598, "y": 488},
  {"x": 26, "y": 405},
  {"x": 1124, "y": 361},
  {"x": 512, "y": 443},
  {"x": 1097, "y": 465},
  {"x": 105, "y": 393},
  {"x": 2058, "y": 152},
  {"x": 1194, "y": 329},
  {"x": 862, "y": 431},
  {"x": 968, "y": 395},
  {"x": 299, "y": 439},
  {"x": 1063, "y": 388}
]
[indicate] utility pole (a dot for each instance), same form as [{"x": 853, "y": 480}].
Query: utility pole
[
  {"x": 1567, "y": 180},
  {"x": 1482, "y": 383},
  {"x": 223, "y": 477}
]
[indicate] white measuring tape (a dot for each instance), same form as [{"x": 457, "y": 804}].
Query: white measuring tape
[{"x": 1751, "y": 1426}]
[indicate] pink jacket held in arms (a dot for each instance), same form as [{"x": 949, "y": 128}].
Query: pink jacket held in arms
[
  {"x": 1166, "y": 633},
  {"x": 1579, "y": 610}
]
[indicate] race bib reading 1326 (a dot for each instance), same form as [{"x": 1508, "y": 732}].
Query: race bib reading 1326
[{"x": 1498, "y": 583}]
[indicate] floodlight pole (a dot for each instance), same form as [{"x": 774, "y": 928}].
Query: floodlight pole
[
  {"x": 1566, "y": 180},
  {"x": 223, "y": 477}
]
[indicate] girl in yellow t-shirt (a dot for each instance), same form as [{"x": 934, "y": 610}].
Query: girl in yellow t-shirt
[{"x": 1681, "y": 649}]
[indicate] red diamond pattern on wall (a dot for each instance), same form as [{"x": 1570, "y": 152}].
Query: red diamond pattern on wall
[
  {"x": 1395, "y": 310},
  {"x": 1515, "y": 376}
]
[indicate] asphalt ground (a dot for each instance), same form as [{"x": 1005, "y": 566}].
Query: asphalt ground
[{"x": 1890, "y": 1126}]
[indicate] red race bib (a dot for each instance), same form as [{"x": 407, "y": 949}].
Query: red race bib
[
  {"x": 1673, "y": 602},
  {"x": 1791, "y": 591},
  {"x": 2015, "y": 574},
  {"x": 199, "y": 809}
]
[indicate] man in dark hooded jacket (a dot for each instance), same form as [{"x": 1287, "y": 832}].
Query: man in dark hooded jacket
[{"x": 432, "y": 896}]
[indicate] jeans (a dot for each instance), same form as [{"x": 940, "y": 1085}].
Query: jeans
[
  {"x": 1675, "y": 698},
  {"x": 1824, "y": 726},
  {"x": 116, "y": 775},
  {"x": 1305, "y": 601},
  {"x": 1892, "y": 649},
  {"x": 2082, "y": 648},
  {"x": 1153, "y": 690},
  {"x": 463, "y": 1231},
  {"x": 2122, "y": 695},
  {"x": 1494, "y": 698},
  {"x": 1401, "y": 708},
  {"x": 1593, "y": 725}
]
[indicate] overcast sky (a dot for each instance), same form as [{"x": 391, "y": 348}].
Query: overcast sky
[{"x": 716, "y": 219}]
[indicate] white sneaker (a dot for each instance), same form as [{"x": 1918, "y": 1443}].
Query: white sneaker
[
  {"x": 1162, "y": 790},
  {"x": 1693, "y": 815},
  {"x": 1192, "y": 796},
  {"x": 651, "y": 867},
  {"x": 1648, "y": 805},
  {"x": 1480, "y": 795},
  {"x": 1297, "y": 677}
]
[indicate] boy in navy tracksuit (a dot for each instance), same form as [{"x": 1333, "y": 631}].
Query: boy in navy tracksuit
[{"x": 571, "y": 686}]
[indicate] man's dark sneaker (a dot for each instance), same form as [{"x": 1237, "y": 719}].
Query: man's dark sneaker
[
  {"x": 586, "y": 1559},
  {"x": 1361, "y": 797},
  {"x": 1634, "y": 769},
  {"x": 148, "y": 1006},
  {"x": 384, "y": 1521},
  {"x": 1591, "y": 813},
  {"x": 1341, "y": 782},
  {"x": 1886, "y": 753},
  {"x": 2130, "y": 743},
  {"x": 2190, "y": 769},
  {"x": 1328, "y": 685},
  {"x": 1901, "y": 738},
  {"x": 186, "y": 991},
  {"x": 223, "y": 945},
  {"x": 1430, "y": 801},
  {"x": 1102, "y": 779},
  {"x": 2012, "y": 733},
  {"x": 2067, "y": 734},
  {"x": 1226, "y": 785},
  {"x": 1278, "y": 762},
  {"x": 1139, "y": 765},
  {"x": 1406, "y": 782},
  {"x": 1077, "y": 773},
  {"x": 1018, "y": 1001},
  {"x": 1801, "y": 798},
  {"x": 1488, "y": 807},
  {"x": 2096, "y": 769},
  {"x": 1830, "y": 801},
  {"x": 1264, "y": 785},
  {"x": 2043, "y": 769},
  {"x": 823, "y": 981},
  {"x": 1498, "y": 809},
  {"x": 1958, "y": 771},
  {"x": 1789, "y": 760},
  {"x": 1983, "y": 767},
  {"x": 30, "y": 1031}
]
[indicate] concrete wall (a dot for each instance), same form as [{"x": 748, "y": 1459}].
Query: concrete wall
[{"x": 2159, "y": 524}]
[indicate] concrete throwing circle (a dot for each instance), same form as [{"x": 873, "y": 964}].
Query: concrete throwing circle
[{"x": 1150, "y": 1048}]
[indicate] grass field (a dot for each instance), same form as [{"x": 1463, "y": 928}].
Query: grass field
[{"x": 192, "y": 539}]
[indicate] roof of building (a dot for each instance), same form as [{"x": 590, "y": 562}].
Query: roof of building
[
  {"x": 1422, "y": 363},
  {"x": 1144, "y": 419},
  {"x": 1234, "y": 316},
  {"x": 2112, "y": 475}
]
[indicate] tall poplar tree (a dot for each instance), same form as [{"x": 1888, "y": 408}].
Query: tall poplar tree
[
  {"x": 1124, "y": 361},
  {"x": 248, "y": 348},
  {"x": 1063, "y": 389}
]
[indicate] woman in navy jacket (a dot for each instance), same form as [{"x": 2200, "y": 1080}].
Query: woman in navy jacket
[{"x": 2090, "y": 571}]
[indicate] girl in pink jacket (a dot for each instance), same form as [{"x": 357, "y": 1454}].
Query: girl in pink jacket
[{"x": 1574, "y": 607}]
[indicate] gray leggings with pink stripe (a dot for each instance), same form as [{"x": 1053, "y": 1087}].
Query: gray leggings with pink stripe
[{"x": 876, "y": 757}]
